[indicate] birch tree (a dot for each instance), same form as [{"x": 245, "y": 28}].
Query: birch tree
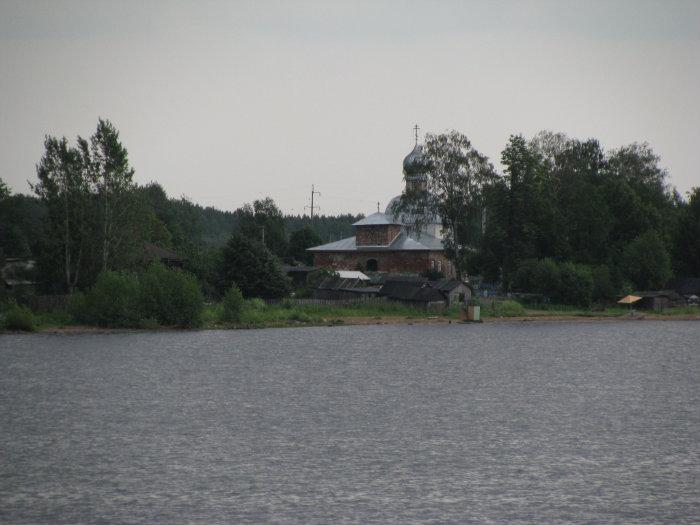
[
  {"x": 457, "y": 176},
  {"x": 65, "y": 189},
  {"x": 112, "y": 179}
]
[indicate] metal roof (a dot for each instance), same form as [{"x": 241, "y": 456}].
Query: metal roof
[
  {"x": 376, "y": 219},
  {"x": 403, "y": 242},
  {"x": 352, "y": 274}
]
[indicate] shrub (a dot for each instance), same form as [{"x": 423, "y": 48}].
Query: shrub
[
  {"x": 113, "y": 301},
  {"x": 603, "y": 287},
  {"x": 255, "y": 304},
  {"x": 254, "y": 268},
  {"x": 646, "y": 261},
  {"x": 576, "y": 284},
  {"x": 232, "y": 305},
  {"x": 537, "y": 276},
  {"x": 171, "y": 297},
  {"x": 509, "y": 309},
  {"x": 19, "y": 318}
]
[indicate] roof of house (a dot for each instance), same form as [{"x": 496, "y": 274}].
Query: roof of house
[
  {"x": 352, "y": 274},
  {"x": 299, "y": 269},
  {"x": 446, "y": 285},
  {"x": 16, "y": 271},
  {"x": 402, "y": 242},
  {"x": 152, "y": 250},
  {"x": 376, "y": 219},
  {"x": 658, "y": 293},
  {"x": 410, "y": 291}
]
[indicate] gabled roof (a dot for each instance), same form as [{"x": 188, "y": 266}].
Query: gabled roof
[
  {"x": 403, "y": 242},
  {"x": 376, "y": 219},
  {"x": 410, "y": 291},
  {"x": 446, "y": 285},
  {"x": 157, "y": 252}
]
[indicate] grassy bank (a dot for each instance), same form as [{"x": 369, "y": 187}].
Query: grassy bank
[{"x": 254, "y": 313}]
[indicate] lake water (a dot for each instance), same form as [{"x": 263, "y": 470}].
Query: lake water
[{"x": 509, "y": 422}]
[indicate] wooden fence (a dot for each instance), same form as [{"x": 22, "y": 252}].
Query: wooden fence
[{"x": 328, "y": 302}]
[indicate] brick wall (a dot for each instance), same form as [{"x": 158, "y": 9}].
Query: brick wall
[
  {"x": 391, "y": 262},
  {"x": 381, "y": 235}
]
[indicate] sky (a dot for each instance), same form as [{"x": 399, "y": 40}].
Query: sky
[{"x": 225, "y": 102}]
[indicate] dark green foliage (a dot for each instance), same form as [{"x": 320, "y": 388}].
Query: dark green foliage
[
  {"x": 564, "y": 283},
  {"x": 114, "y": 301},
  {"x": 16, "y": 317},
  {"x": 232, "y": 305},
  {"x": 604, "y": 289},
  {"x": 255, "y": 270},
  {"x": 576, "y": 286},
  {"x": 687, "y": 236},
  {"x": 329, "y": 228},
  {"x": 263, "y": 221},
  {"x": 537, "y": 276},
  {"x": 299, "y": 241},
  {"x": 171, "y": 297},
  {"x": 646, "y": 262}
]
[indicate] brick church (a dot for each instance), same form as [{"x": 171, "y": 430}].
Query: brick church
[{"x": 383, "y": 242}]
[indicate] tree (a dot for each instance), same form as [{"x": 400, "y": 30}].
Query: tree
[
  {"x": 457, "y": 175},
  {"x": 299, "y": 241},
  {"x": 253, "y": 268},
  {"x": 687, "y": 236},
  {"x": 107, "y": 163},
  {"x": 4, "y": 190},
  {"x": 646, "y": 261},
  {"x": 263, "y": 221},
  {"x": 65, "y": 190}
]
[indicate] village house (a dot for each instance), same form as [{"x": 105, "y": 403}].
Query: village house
[{"x": 384, "y": 242}]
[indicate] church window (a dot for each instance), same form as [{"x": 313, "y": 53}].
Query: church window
[
  {"x": 439, "y": 266},
  {"x": 432, "y": 264},
  {"x": 372, "y": 265}
]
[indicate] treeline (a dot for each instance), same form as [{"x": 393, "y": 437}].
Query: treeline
[
  {"x": 87, "y": 216},
  {"x": 577, "y": 223}
]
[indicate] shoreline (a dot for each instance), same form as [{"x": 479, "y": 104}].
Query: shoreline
[{"x": 369, "y": 321}]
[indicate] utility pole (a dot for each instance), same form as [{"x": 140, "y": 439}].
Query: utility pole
[{"x": 313, "y": 192}]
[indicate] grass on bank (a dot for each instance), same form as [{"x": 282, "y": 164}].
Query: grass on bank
[{"x": 254, "y": 313}]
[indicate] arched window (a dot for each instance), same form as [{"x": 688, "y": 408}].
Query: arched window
[{"x": 372, "y": 265}]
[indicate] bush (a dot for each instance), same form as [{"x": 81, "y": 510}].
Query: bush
[
  {"x": 232, "y": 305},
  {"x": 537, "y": 276},
  {"x": 508, "y": 309},
  {"x": 113, "y": 301},
  {"x": 576, "y": 284},
  {"x": 18, "y": 318},
  {"x": 171, "y": 297},
  {"x": 646, "y": 261},
  {"x": 255, "y": 304}
]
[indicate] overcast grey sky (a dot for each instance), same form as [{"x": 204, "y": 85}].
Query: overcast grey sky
[{"x": 226, "y": 102}]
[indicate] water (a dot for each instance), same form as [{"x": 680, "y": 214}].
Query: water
[{"x": 515, "y": 422}]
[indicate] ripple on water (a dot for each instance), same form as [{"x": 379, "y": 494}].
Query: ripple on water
[{"x": 515, "y": 422}]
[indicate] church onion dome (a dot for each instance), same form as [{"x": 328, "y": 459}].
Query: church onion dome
[{"x": 415, "y": 162}]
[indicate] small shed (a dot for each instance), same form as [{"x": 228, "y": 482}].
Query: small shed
[
  {"x": 345, "y": 285},
  {"x": 18, "y": 273},
  {"x": 413, "y": 291},
  {"x": 298, "y": 274},
  {"x": 658, "y": 300},
  {"x": 166, "y": 257},
  {"x": 453, "y": 291},
  {"x": 688, "y": 288}
]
